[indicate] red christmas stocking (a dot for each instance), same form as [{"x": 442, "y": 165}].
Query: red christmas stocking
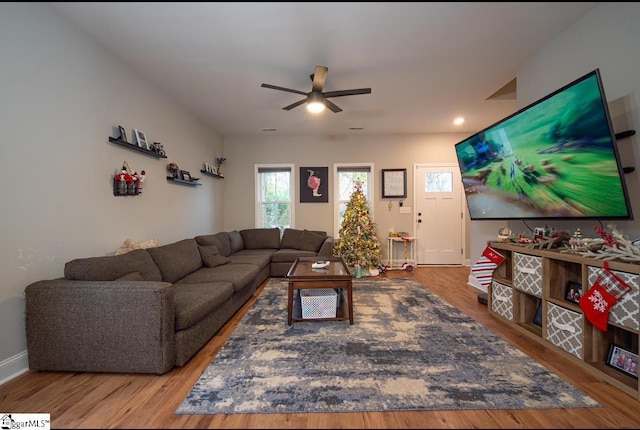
[{"x": 605, "y": 292}]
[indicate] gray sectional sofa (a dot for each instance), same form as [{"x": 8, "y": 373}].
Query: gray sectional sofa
[{"x": 149, "y": 310}]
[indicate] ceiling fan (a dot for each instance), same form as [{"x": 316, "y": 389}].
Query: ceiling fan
[{"x": 316, "y": 98}]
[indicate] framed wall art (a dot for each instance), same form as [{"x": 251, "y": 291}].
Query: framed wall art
[
  {"x": 394, "y": 183},
  {"x": 141, "y": 138},
  {"x": 123, "y": 134},
  {"x": 314, "y": 184}
]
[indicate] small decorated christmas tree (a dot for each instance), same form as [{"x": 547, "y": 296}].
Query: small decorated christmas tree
[{"x": 358, "y": 243}]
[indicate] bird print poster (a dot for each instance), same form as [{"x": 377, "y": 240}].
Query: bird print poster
[{"x": 314, "y": 184}]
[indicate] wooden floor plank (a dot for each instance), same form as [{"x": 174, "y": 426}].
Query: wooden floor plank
[{"x": 93, "y": 400}]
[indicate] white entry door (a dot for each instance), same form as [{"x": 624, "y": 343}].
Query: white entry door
[{"x": 439, "y": 216}]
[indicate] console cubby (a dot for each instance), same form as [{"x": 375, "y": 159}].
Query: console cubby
[{"x": 534, "y": 283}]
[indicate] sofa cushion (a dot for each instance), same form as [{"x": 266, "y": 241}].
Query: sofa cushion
[
  {"x": 261, "y": 238},
  {"x": 133, "y": 276},
  {"x": 236, "y": 243},
  {"x": 109, "y": 268},
  {"x": 220, "y": 240},
  {"x": 291, "y": 238},
  {"x": 239, "y": 274},
  {"x": 290, "y": 255},
  {"x": 259, "y": 257},
  {"x": 311, "y": 241},
  {"x": 211, "y": 256},
  {"x": 177, "y": 260},
  {"x": 195, "y": 301}
]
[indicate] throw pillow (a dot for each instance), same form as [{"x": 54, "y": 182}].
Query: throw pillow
[
  {"x": 235, "y": 241},
  {"x": 211, "y": 256},
  {"x": 291, "y": 238},
  {"x": 311, "y": 241},
  {"x": 133, "y": 276},
  {"x": 177, "y": 260},
  {"x": 130, "y": 244}
]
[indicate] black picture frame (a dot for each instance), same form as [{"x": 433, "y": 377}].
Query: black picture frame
[
  {"x": 537, "y": 318},
  {"x": 314, "y": 184},
  {"x": 573, "y": 292},
  {"x": 123, "y": 134},
  {"x": 623, "y": 360},
  {"x": 394, "y": 183},
  {"x": 185, "y": 175}
]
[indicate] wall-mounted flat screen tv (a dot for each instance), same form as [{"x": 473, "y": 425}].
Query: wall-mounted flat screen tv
[{"x": 554, "y": 159}]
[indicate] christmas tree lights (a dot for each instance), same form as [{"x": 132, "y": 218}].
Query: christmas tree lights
[{"x": 358, "y": 243}]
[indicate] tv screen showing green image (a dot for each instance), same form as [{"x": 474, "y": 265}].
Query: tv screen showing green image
[{"x": 554, "y": 159}]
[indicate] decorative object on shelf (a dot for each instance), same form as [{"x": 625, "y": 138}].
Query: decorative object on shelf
[
  {"x": 158, "y": 148},
  {"x": 504, "y": 234},
  {"x": 623, "y": 360},
  {"x": 208, "y": 168},
  {"x": 219, "y": 162},
  {"x": 174, "y": 170},
  {"x": 141, "y": 138},
  {"x": 185, "y": 175},
  {"x": 128, "y": 182},
  {"x": 609, "y": 246},
  {"x": 603, "y": 294},
  {"x": 123, "y": 134},
  {"x": 573, "y": 292}
]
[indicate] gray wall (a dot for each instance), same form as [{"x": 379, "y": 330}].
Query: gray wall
[
  {"x": 62, "y": 95},
  {"x": 385, "y": 152}
]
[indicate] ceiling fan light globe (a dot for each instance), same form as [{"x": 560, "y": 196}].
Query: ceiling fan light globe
[{"x": 315, "y": 107}]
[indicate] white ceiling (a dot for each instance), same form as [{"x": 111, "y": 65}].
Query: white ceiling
[{"x": 426, "y": 63}]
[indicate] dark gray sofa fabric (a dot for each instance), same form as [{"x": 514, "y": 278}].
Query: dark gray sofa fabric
[
  {"x": 149, "y": 310},
  {"x": 100, "y": 326},
  {"x": 112, "y": 267}
]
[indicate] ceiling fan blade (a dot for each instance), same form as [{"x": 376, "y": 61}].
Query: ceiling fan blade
[
  {"x": 296, "y": 104},
  {"x": 332, "y": 106},
  {"x": 319, "y": 78},
  {"x": 289, "y": 90},
  {"x": 347, "y": 92}
]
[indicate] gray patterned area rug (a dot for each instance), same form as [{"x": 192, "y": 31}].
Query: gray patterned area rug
[{"x": 407, "y": 350}]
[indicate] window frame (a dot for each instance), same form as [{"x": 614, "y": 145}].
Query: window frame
[{"x": 258, "y": 183}]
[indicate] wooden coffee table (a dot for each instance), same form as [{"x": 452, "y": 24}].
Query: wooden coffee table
[{"x": 336, "y": 276}]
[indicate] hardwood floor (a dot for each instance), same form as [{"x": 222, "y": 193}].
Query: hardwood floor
[{"x": 93, "y": 400}]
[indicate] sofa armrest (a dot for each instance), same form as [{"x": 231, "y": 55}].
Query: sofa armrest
[
  {"x": 326, "y": 250},
  {"x": 100, "y": 326}
]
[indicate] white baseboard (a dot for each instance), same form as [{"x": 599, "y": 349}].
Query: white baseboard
[{"x": 13, "y": 367}]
